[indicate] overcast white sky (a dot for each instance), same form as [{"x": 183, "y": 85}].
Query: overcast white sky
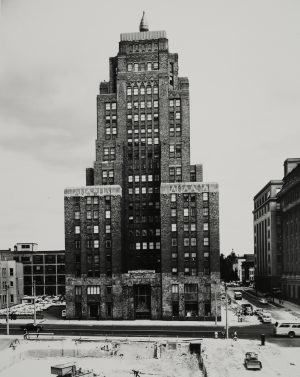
[{"x": 243, "y": 62}]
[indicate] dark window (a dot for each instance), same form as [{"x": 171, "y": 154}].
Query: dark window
[
  {"x": 50, "y": 259},
  {"x": 50, "y": 269},
  {"x": 38, "y": 269},
  {"x": 27, "y": 270},
  {"x": 38, "y": 259}
]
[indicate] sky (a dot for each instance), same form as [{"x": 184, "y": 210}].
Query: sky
[{"x": 243, "y": 62}]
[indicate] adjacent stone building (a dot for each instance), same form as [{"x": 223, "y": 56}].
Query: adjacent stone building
[
  {"x": 142, "y": 237},
  {"x": 267, "y": 237},
  {"x": 289, "y": 201}
]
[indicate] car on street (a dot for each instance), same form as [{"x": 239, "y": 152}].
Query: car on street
[
  {"x": 266, "y": 317},
  {"x": 247, "y": 309},
  {"x": 31, "y": 327},
  {"x": 263, "y": 301},
  {"x": 238, "y": 295},
  {"x": 287, "y": 328},
  {"x": 251, "y": 361}
]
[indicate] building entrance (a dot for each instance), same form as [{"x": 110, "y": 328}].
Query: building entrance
[
  {"x": 142, "y": 301},
  {"x": 94, "y": 311}
]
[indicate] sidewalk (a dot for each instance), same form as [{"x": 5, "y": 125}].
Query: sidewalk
[
  {"x": 232, "y": 321},
  {"x": 283, "y": 306}
]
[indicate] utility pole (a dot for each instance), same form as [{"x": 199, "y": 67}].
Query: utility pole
[
  {"x": 226, "y": 311},
  {"x": 216, "y": 305},
  {"x": 34, "y": 310},
  {"x": 7, "y": 310}
]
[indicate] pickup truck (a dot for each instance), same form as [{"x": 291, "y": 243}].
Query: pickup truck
[{"x": 251, "y": 361}]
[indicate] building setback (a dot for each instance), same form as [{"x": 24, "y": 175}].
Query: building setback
[
  {"x": 46, "y": 268},
  {"x": 142, "y": 237},
  {"x": 267, "y": 237},
  {"x": 289, "y": 200}
]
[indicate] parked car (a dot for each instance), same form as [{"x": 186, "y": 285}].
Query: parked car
[
  {"x": 251, "y": 361},
  {"x": 263, "y": 300},
  {"x": 258, "y": 311},
  {"x": 31, "y": 327},
  {"x": 291, "y": 329},
  {"x": 238, "y": 295},
  {"x": 247, "y": 309}
]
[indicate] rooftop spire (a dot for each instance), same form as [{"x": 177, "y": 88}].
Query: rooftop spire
[{"x": 144, "y": 26}]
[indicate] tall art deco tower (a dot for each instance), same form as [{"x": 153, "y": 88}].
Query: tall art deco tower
[{"x": 142, "y": 237}]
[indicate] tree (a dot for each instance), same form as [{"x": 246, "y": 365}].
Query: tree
[{"x": 226, "y": 267}]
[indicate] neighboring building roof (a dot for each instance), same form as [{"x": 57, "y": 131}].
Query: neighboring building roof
[
  {"x": 269, "y": 184},
  {"x": 145, "y": 35}
]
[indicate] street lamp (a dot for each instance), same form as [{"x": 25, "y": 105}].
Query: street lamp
[
  {"x": 226, "y": 316},
  {"x": 34, "y": 309},
  {"x": 216, "y": 304}
]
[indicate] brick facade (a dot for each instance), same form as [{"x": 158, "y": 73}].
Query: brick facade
[{"x": 142, "y": 156}]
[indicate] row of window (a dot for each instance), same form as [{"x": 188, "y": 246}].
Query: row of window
[
  {"x": 141, "y": 47},
  {"x": 107, "y": 174},
  {"x": 95, "y": 244},
  {"x": 39, "y": 259},
  {"x": 95, "y": 289},
  {"x": 189, "y": 197},
  {"x": 145, "y": 232},
  {"x": 142, "y": 90},
  {"x": 4, "y": 299},
  {"x": 144, "y": 141},
  {"x": 142, "y": 190},
  {"x": 175, "y": 150},
  {"x": 187, "y": 271},
  {"x": 92, "y": 229},
  {"x": 142, "y": 178},
  {"x": 149, "y": 219},
  {"x": 110, "y": 106},
  {"x": 175, "y": 131},
  {"x": 142, "y": 117},
  {"x": 111, "y": 119},
  {"x": 141, "y": 105},
  {"x": 136, "y": 130},
  {"x": 49, "y": 269},
  {"x": 146, "y": 245},
  {"x": 4, "y": 272},
  {"x": 136, "y": 67},
  {"x": 109, "y": 153},
  {"x": 188, "y": 257},
  {"x": 175, "y": 115},
  {"x": 174, "y": 102}
]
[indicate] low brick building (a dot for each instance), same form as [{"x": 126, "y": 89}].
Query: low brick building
[{"x": 142, "y": 237}]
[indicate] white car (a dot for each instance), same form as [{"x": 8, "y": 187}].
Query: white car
[
  {"x": 263, "y": 300},
  {"x": 266, "y": 317}
]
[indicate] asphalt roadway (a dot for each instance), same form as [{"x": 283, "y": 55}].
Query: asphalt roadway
[{"x": 181, "y": 331}]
